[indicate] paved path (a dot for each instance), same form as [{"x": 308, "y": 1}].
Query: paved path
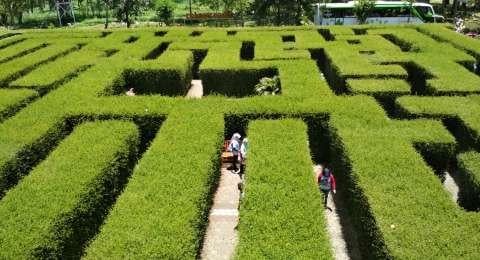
[
  {"x": 343, "y": 238},
  {"x": 222, "y": 237},
  {"x": 451, "y": 186},
  {"x": 196, "y": 89}
]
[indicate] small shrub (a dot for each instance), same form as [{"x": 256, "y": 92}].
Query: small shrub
[{"x": 268, "y": 86}]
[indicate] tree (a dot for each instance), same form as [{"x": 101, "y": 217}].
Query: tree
[
  {"x": 362, "y": 9},
  {"x": 410, "y": 6},
  {"x": 109, "y": 5},
  {"x": 127, "y": 9},
  {"x": 164, "y": 10},
  {"x": 236, "y": 6},
  {"x": 279, "y": 12},
  {"x": 10, "y": 9}
]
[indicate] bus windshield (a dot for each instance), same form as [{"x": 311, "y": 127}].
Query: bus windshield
[{"x": 425, "y": 12}]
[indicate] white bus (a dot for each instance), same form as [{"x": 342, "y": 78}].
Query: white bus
[{"x": 385, "y": 12}]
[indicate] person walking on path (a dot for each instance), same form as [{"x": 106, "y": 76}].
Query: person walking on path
[
  {"x": 243, "y": 155},
  {"x": 234, "y": 147},
  {"x": 326, "y": 183},
  {"x": 243, "y": 158}
]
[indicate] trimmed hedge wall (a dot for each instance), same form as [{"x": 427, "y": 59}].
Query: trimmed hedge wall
[
  {"x": 163, "y": 211},
  {"x": 234, "y": 82},
  {"x": 59, "y": 206},
  {"x": 13, "y": 100},
  {"x": 469, "y": 173},
  {"x": 18, "y": 67},
  {"x": 281, "y": 216}
]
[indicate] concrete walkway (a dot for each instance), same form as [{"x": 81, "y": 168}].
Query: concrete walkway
[
  {"x": 343, "y": 238},
  {"x": 451, "y": 186},
  {"x": 221, "y": 237},
  {"x": 196, "y": 89}
]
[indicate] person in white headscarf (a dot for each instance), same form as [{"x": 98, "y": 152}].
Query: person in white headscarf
[
  {"x": 130, "y": 92},
  {"x": 234, "y": 147}
]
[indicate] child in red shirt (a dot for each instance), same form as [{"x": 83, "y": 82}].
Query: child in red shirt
[{"x": 326, "y": 183}]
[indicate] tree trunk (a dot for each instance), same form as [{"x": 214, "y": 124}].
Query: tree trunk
[
  {"x": 127, "y": 18},
  {"x": 106, "y": 16},
  {"x": 278, "y": 19},
  {"x": 454, "y": 7},
  {"x": 12, "y": 19},
  {"x": 3, "y": 19},
  {"x": 20, "y": 18},
  {"x": 445, "y": 4}
]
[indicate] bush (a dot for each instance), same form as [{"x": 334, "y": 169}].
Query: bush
[{"x": 268, "y": 86}]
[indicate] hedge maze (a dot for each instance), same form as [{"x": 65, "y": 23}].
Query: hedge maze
[{"x": 88, "y": 172}]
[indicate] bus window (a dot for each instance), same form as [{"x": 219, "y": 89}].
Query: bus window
[
  {"x": 348, "y": 13},
  {"x": 424, "y": 10},
  {"x": 337, "y": 13}
]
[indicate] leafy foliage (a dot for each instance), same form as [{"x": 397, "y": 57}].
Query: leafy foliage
[
  {"x": 164, "y": 10},
  {"x": 362, "y": 9},
  {"x": 281, "y": 12},
  {"x": 268, "y": 86}
]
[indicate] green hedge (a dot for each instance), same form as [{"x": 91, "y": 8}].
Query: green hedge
[
  {"x": 59, "y": 206},
  {"x": 234, "y": 82},
  {"x": 399, "y": 187},
  {"x": 18, "y": 67},
  {"x": 171, "y": 75},
  {"x": 21, "y": 49},
  {"x": 443, "y": 34},
  {"x": 469, "y": 173},
  {"x": 163, "y": 211},
  {"x": 281, "y": 216},
  {"x": 378, "y": 86},
  {"x": 12, "y": 100},
  {"x": 462, "y": 110},
  {"x": 55, "y": 73},
  {"x": 11, "y": 41},
  {"x": 443, "y": 71}
]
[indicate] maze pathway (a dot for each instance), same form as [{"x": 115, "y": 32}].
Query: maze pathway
[
  {"x": 221, "y": 237},
  {"x": 196, "y": 89}
]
